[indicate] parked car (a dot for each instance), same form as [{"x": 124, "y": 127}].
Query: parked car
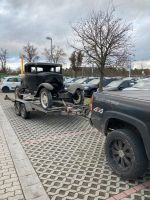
[
  {"x": 10, "y": 83},
  {"x": 45, "y": 81},
  {"x": 123, "y": 117},
  {"x": 140, "y": 85},
  {"x": 93, "y": 85},
  {"x": 81, "y": 81},
  {"x": 120, "y": 84},
  {"x": 68, "y": 80}
]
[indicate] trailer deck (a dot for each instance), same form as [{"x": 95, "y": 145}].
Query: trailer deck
[{"x": 29, "y": 103}]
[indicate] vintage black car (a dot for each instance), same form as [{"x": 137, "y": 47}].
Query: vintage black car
[{"x": 45, "y": 80}]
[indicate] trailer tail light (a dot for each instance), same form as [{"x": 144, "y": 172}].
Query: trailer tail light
[{"x": 91, "y": 103}]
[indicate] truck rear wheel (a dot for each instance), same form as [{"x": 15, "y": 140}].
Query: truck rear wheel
[
  {"x": 125, "y": 153},
  {"x": 45, "y": 98}
]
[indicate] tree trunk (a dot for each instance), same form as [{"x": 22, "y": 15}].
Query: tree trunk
[
  {"x": 75, "y": 74},
  {"x": 101, "y": 78}
]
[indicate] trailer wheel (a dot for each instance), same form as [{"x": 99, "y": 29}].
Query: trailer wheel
[
  {"x": 45, "y": 98},
  {"x": 78, "y": 97},
  {"x": 125, "y": 153},
  {"x": 23, "y": 112},
  {"x": 17, "y": 108},
  {"x": 18, "y": 91}
]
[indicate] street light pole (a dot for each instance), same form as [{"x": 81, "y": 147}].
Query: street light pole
[{"x": 50, "y": 38}]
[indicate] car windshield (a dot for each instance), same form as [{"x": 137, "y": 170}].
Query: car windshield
[
  {"x": 143, "y": 84},
  {"x": 114, "y": 83},
  {"x": 81, "y": 80},
  {"x": 94, "y": 81}
]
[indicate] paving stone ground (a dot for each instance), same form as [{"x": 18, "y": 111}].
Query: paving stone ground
[
  {"x": 68, "y": 156},
  {"x": 10, "y": 188}
]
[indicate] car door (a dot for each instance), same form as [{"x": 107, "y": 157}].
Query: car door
[
  {"x": 18, "y": 81},
  {"x": 31, "y": 79},
  {"x": 11, "y": 83},
  {"x": 39, "y": 78}
]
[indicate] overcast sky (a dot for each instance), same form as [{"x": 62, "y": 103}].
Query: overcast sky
[{"x": 23, "y": 21}]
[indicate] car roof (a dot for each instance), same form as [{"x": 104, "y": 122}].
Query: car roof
[
  {"x": 11, "y": 77},
  {"x": 42, "y": 64}
]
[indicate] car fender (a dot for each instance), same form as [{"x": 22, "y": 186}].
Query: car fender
[
  {"x": 48, "y": 86},
  {"x": 73, "y": 87}
]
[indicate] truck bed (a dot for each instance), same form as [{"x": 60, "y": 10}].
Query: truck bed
[{"x": 138, "y": 95}]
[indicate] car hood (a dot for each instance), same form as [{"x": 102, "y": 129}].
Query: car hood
[
  {"x": 110, "y": 88},
  {"x": 89, "y": 85},
  {"x": 133, "y": 88}
]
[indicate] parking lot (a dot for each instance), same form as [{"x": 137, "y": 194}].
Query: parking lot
[{"x": 68, "y": 156}]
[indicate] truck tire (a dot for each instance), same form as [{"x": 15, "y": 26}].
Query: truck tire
[
  {"x": 78, "y": 97},
  {"x": 23, "y": 112},
  {"x": 5, "y": 89},
  {"x": 125, "y": 153},
  {"x": 46, "y": 98}
]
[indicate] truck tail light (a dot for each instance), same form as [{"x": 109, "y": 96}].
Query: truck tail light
[{"x": 91, "y": 103}]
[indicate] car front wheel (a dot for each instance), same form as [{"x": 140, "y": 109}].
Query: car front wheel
[
  {"x": 45, "y": 98},
  {"x": 125, "y": 153},
  {"x": 5, "y": 89}
]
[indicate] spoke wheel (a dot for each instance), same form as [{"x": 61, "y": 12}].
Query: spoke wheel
[
  {"x": 78, "y": 97},
  {"x": 45, "y": 98},
  {"x": 121, "y": 153},
  {"x": 125, "y": 153}
]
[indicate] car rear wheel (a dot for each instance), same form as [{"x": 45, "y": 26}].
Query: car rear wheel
[
  {"x": 45, "y": 98},
  {"x": 78, "y": 97},
  {"x": 125, "y": 153},
  {"x": 5, "y": 89}
]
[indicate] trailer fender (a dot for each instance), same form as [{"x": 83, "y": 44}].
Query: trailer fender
[
  {"x": 72, "y": 88},
  {"x": 48, "y": 86}
]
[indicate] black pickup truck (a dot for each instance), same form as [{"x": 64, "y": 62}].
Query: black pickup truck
[{"x": 124, "y": 118}]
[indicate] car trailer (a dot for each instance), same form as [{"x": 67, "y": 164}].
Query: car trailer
[{"x": 23, "y": 107}]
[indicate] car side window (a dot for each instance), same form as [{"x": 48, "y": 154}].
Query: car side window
[
  {"x": 33, "y": 70},
  {"x": 124, "y": 84},
  {"x": 52, "y": 69},
  {"x": 58, "y": 69},
  {"x": 39, "y": 69},
  {"x": 11, "y": 80}
]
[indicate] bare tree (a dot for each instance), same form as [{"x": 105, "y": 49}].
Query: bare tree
[
  {"x": 76, "y": 60},
  {"x": 30, "y": 53},
  {"x": 58, "y": 55},
  {"x": 104, "y": 38},
  {"x": 3, "y": 59}
]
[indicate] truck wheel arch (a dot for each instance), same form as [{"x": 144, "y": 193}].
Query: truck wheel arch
[{"x": 129, "y": 122}]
